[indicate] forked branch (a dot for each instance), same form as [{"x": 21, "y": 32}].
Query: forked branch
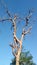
[{"x": 25, "y": 32}]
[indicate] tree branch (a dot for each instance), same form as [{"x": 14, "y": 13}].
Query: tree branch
[
  {"x": 25, "y": 32},
  {"x": 5, "y": 19},
  {"x": 13, "y": 48}
]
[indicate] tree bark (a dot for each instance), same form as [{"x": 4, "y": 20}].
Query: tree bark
[
  {"x": 17, "y": 60},
  {"x": 18, "y": 55}
]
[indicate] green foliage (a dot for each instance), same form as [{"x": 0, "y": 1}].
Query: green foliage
[{"x": 25, "y": 59}]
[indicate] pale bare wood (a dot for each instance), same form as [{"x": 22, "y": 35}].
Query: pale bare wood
[{"x": 25, "y": 32}]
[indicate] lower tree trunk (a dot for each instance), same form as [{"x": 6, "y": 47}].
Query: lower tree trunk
[
  {"x": 17, "y": 60},
  {"x": 18, "y": 56}
]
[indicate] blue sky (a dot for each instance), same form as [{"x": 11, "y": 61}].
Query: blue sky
[{"x": 30, "y": 43}]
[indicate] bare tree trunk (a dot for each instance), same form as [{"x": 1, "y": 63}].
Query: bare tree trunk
[
  {"x": 18, "y": 56},
  {"x": 17, "y": 60}
]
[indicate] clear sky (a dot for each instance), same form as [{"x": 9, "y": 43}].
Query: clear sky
[{"x": 21, "y": 7}]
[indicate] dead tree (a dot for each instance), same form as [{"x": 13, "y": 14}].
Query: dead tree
[{"x": 17, "y": 45}]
